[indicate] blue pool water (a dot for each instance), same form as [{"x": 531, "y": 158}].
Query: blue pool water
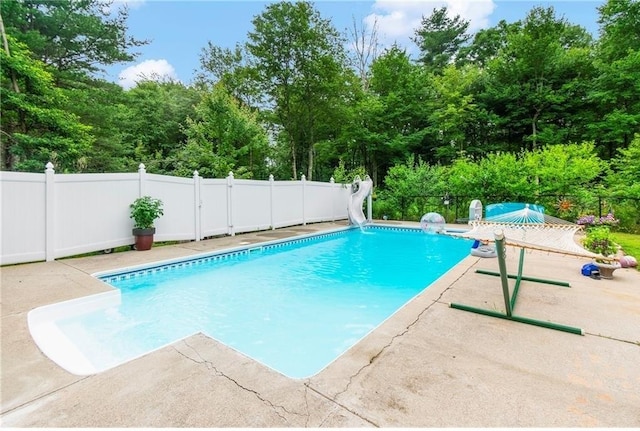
[{"x": 293, "y": 306}]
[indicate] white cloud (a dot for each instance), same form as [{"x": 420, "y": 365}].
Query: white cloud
[
  {"x": 157, "y": 70},
  {"x": 132, "y": 4},
  {"x": 398, "y": 19},
  {"x": 114, "y": 7}
]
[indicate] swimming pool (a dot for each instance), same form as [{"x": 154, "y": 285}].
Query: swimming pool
[{"x": 293, "y": 305}]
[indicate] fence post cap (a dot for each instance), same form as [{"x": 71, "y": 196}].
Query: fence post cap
[{"x": 49, "y": 166}]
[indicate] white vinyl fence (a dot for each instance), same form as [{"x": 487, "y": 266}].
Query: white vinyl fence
[{"x": 49, "y": 216}]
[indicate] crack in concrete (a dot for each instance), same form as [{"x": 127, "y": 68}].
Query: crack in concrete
[
  {"x": 43, "y": 395},
  {"x": 337, "y": 404},
  {"x": 401, "y": 334},
  {"x": 306, "y": 402},
  {"x": 608, "y": 337},
  {"x": 219, "y": 373},
  {"x": 377, "y": 355}
]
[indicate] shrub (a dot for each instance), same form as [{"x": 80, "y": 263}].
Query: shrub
[
  {"x": 144, "y": 211},
  {"x": 599, "y": 240}
]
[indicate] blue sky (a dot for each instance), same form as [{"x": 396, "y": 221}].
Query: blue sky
[{"x": 180, "y": 29}]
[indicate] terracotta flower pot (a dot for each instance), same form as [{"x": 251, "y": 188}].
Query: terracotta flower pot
[{"x": 144, "y": 238}]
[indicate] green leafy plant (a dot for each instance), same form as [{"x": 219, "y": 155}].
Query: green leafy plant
[
  {"x": 144, "y": 211},
  {"x": 599, "y": 240}
]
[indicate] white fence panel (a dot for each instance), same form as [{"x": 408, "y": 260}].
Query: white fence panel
[
  {"x": 287, "y": 203},
  {"x": 251, "y": 205},
  {"x": 178, "y": 197},
  {"x": 318, "y": 202},
  {"x": 92, "y": 212},
  {"x": 23, "y": 224},
  {"x": 214, "y": 210},
  {"x": 47, "y": 216},
  {"x": 340, "y": 200}
]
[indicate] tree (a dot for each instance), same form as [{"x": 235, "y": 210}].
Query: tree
[
  {"x": 619, "y": 29},
  {"x": 625, "y": 176},
  {"x": 486, "y": 44},
  {"x": 34, "y": 127},
  {"x": 72, "y": 36},
  {"x": 564, "y": 169},
  {"x": 222, "y": 136},
  {"x": 365, "y": 50},
  {"x": 538, "y": 83},
  {"x": 104, "y": 106},
  {"x": 158, "y": 112},
  {"x": 404, "y": 90},
  {"x": 453, "y": 112},
  {"x": 299, "y": 62},
  {"x": 624, "y": 181},
  {"x": 616, "y": 90},
  {"x": 440, "y": 38},
  {"x": 232, "y": 68}
]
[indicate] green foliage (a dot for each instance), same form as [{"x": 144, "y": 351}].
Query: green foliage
[
  {"x": 440, "y": 38},
  {"x": 411, "y": 190},
  {"x": 344, "y": 176},
  {"x": 625, "y": 177},
  {"x": 73, "y": 37},
  {"x": 624, "y": 182},
  {"x": 532, "y": 84},
  {"x": 299, "y": 64},
  {"x": 615, "y": 92},
  {"x": 104, "y": 107},
  {"x": 157, "y": 114},
  {"x": 222, "y": 136},
  {"x": 35, "y": 127},
  {"x": 454, "y": 112},
  {"x": 599, "y": 240},
  {"x": 564, "y": 169},
  {"x": 145, "y": 211}
]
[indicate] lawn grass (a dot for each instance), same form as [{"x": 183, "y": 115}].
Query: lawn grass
[{"x": 629, "y": 242}]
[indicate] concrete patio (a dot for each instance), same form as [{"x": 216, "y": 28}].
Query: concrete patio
[{"x": 428, "y": 365}]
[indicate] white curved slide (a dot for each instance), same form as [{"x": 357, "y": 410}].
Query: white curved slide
[{"x": 356, "y": 214}]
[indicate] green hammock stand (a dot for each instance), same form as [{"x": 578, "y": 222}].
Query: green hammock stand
[{"x": 510, "y": 299}]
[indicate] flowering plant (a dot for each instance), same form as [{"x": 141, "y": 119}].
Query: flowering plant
[
  {"x": 591, "y": 220},
  {"x": 598, "y": 240}
]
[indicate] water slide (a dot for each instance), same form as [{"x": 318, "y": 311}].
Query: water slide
[{"x": 356, "y": 214}]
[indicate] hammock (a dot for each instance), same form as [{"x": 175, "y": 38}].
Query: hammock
[
  {"x": 555, "y": 238},
  {"x": 531, "y": 229},
  {"x": 527, "y": 229}
]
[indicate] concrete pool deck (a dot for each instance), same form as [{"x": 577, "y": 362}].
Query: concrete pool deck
[{"x": 428, "y": 365}]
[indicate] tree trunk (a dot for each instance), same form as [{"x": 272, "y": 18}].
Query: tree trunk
[
  {"x": 310, "y": 168},
  {"x": 5, "y": 42},
  {"x": 294, "y": 164},
  {"x": 534, "y": 130}
]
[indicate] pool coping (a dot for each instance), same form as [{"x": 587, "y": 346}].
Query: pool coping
[{"x": 428, "y": 365}]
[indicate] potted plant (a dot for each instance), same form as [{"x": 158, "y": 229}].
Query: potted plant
[
  {"x": 598, "y": 240},
  {"x": 144, "y": 211}
]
